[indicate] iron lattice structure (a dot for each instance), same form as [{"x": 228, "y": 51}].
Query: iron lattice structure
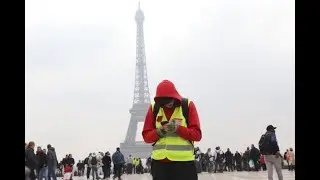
[{"x": 141, "y": 98}]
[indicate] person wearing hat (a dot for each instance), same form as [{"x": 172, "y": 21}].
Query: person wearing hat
[
  {"x": 271, "y": 153},
  {"x": 172, "y": 126}
]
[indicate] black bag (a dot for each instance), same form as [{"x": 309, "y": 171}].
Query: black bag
[
  {"x": 94, "y": 161},
  {"x": 219, "y": 157}
]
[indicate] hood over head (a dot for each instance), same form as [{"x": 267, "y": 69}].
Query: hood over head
[{"x": 166, "y": 90}]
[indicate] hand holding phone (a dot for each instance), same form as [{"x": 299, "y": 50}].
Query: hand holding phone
[
  {"x": 165, "y": 125},
  {"x": 164, "y": 122}
]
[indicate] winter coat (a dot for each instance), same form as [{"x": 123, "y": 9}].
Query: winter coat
[
  {"x": 52, "y": 157},
  {"x": 31, "y": 159},
  {"x": 118, "y": 158}
]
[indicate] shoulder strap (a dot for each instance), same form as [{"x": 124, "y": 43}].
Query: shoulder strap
[
  {"x": 185, "y": 109},
  {"x": 184, "y": 105},
  {"x": 155, "y": 110}
]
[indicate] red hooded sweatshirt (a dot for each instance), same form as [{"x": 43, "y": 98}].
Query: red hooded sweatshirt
[{"x": 192, "y": 132}]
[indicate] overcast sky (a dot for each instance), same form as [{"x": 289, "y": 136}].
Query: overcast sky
[{"x": 234, "y": 59}]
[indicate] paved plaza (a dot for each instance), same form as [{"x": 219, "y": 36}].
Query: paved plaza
[{"x": 287, "y": 175}]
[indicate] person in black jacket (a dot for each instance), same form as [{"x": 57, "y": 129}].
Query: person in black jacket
[
  {"x": 254, "y": 155},
  {"x": 52, "y": 162},
  {"x": 271, "y": 153},
  {"x": 86, "y": 162},
  {"x": 70, "y": 160},
  {"x": 238, "y": 159},
  {"x": 106, "y": 161},
  {"x": 229, "y": 157},
  {"x": 42, "y": 163},
  {"x": 31, "y": 160},
  {"x": 80, "y": 167}
]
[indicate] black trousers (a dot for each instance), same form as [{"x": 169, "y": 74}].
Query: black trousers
[
  {"x": 106, "y": 172},
  {"x": 256, "y": 165},
  {"x": 174, "y": 170},
  {"x": 229, "y": 165},
  {"x": 117, "y": 170},
  {"x": 238, "y": 166},
  {"x": 88, "y": 172}
]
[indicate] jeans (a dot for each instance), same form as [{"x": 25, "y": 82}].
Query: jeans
[
  {"x": 52, "y": 172},
  {"x": 117, "y": 171},
  {"x": 94, "y": 170},
  {"x": 43, "y": 174}
]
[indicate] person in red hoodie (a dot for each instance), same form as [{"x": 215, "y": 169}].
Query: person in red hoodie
[{"x": 172, "y": 135}]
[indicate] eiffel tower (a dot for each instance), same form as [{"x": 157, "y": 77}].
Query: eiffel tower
[{"x": 141, "y": 100}]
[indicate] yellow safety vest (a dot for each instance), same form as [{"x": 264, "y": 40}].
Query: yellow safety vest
[{"x": 172, "y": 146}]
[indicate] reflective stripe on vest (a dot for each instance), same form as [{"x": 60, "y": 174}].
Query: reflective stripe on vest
[{"x": 172, "y": 146}]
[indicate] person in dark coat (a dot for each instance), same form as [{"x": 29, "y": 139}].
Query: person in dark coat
[
  {"x": 238, "y": 157},
  {"x": 254, "y": 155},
  {"x": 42, "y": 163},
  {"x": 229, "y": 156},
  {"x": 31, "y": 160},
  {"x": 106, "y": 161},
  {"x": 118, "y": 162},
  {"x": 245, "y": 159},
  {"x": 52, "y": 162},
  {"x": 86, "y": 162}
]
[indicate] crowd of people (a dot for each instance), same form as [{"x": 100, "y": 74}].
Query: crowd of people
[
  {"x": 43, "y": 163},
  {"x": 250, "y": 160}
]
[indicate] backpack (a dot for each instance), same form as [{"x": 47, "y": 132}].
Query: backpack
[
  {"x": 86, "y": 160},
  {"x": 206, "y": 157},
  {"x": 94, "y": 161},
  {"x": 219, "y": 157},
  {"x": 184, "y": 105},
  {"x": 264, "y": 142}
]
